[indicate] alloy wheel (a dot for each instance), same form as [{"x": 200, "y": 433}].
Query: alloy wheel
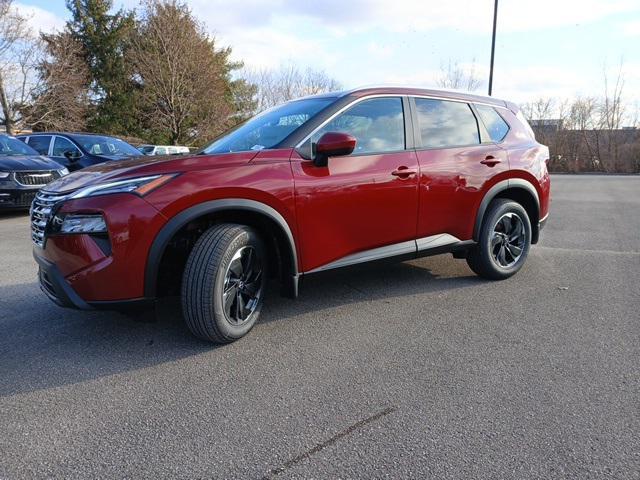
[
  {"x": 242, "y": 285},
  {"x": 508, "y": 240}
]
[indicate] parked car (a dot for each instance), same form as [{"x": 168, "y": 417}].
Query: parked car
[
  {"x": 23, "y": 171},
  {"x": 79, "y": 150},
  {"x": 163, "y": 150},
  {"x": 314, "y": 184}
]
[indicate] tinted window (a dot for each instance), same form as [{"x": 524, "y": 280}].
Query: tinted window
[
  {"x": 100, "y": 145},
  {"x": 40, "y": 144},
  {"x": 495, "y": 124},
  {"x": 377, "y": 124},
  {"x": 269, "y": 127},
  {"x": 446, "y": 124},
  {"x": 61, "y": 145}
]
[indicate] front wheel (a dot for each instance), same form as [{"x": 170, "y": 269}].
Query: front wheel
[
  {"x": 504, "y": 241},
  {"x": 223, "y": 283}
]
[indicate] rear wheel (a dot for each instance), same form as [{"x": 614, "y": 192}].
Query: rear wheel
[
  {"x": 223, "y": 283},
  {"x": 504, "y": 241}
]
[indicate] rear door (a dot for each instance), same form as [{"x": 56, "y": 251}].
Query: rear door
[
  {"x": 363, "y": 201},
  {"x": 458, "y": 162}
]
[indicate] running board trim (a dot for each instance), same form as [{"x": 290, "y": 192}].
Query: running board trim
[{"x": 411, "y": 247}]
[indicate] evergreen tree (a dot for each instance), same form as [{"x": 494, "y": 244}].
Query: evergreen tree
[{"x": 105, "y": 39}]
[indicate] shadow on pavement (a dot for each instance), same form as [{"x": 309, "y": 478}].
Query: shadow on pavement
[{"x": 45, "y": 346}]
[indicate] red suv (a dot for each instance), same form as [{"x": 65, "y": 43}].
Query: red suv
[{"x": 317, "y": 183}]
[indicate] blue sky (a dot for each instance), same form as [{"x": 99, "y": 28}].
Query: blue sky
[{"x": 556, "y": 48}]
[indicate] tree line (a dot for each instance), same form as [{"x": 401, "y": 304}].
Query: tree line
[
  {"x": 589, "y": 133},
  {"x": 153, "y": 74}
]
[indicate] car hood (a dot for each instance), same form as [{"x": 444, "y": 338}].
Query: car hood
[
  {"x": 27, "y": 162},
  {"x": 142, "y": 166}
]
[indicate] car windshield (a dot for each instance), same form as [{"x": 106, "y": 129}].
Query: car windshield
[
  {"x": 146, "y": 148},
  {"x": 10, "y": 146},
  {"x": 99, "y": 145},
  {"x": 268, "y": 128}
]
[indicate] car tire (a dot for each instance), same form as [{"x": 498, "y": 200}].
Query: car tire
[
  {"x": 504, "y": 241},
  {"x": 223, "y": 283}
]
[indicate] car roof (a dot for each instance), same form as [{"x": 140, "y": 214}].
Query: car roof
[
  {"x": 35, "y": 134},
  {"x": 417, "y": 91}
]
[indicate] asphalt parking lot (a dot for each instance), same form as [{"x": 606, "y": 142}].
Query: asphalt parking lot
[{"x": 411, "y": 370}]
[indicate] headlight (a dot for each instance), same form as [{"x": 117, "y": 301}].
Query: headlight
[
  {"x": 140, "y": 186},
  {"x": 4, "y": 174},
  {"x": 79, "y": 224},
  {"x": 63, "y": 172}
]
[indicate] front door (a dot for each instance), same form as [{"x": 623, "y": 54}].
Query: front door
[{"x": 367, "y": 200}]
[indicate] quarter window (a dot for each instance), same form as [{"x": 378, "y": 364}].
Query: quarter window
[
  {"x": 446, "y": 124},
  {"x": 62, "y": 145},
  {"x": 495, "y": 124},
  {"x": 377, "y": 124},
  {"x": 40, "y": 144}
]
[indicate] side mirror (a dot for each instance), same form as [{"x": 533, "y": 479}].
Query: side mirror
[
  {"x": 72, "y": 155},
  {"x": 333, "y": 144}
]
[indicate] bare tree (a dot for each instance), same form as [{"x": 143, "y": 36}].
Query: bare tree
[
  {"x": 612, "y": 112},
  {"x": 453, "y": 76},
  {"x": 19, "y": 56},
  {"x": 186, "y": 90},
  {"x": 61, "y": 100},
  {"x": 276, "y": 86}
]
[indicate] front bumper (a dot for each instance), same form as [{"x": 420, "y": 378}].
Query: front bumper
[
  {"x": 88, "y": 272},
  {"x": 17, "y": 198},
  {"x": 55, "y": 286}
]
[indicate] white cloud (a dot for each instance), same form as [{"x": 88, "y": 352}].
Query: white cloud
[
  {"x": 40, "y": 20},
  {"x": 404, "y": 15},
  {"x": 631, "y": 29}
]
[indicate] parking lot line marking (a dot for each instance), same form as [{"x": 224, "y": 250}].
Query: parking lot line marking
[
  {"x": 585, "y": 250},
  {"x": 321, "y": 446}
]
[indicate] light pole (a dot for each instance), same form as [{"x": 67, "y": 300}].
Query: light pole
[{"x": 493, "y": 45}]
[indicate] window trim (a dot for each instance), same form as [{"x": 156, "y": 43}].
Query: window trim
[{"x": 418, "y": 133}]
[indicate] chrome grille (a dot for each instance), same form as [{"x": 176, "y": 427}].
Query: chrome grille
[
  {"x": 41, "y": 213},
  {"x": 36, "y": 178}
]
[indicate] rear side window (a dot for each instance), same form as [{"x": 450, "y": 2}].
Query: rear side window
[
  {"x": 40, "y": 144},
  {"x": 377, "y": 124},
  {"x": 495, "y": 124},
  {"x": 446, "y": 124}
]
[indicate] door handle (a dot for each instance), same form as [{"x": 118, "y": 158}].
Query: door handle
[
  {"x": 403, "y": 172},
  {"x": 490, "y": 161}
]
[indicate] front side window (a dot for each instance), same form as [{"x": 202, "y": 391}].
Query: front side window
[
  {"x": 62, "y": 145},
  {"x": 377, "y": 124},
  {"x": 40, "y": 143},
  {"x": 270, "y": 127},
  {"x": 445, "y": 123},
  {"x": 494, "y": 123}
]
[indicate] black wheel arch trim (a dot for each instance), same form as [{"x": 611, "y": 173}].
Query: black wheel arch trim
[
  {"x": 493, "y": 192},
  {"x": 160, "y": 242}
]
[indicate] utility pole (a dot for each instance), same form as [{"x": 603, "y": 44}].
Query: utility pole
[{"x": 493, "y": 45}]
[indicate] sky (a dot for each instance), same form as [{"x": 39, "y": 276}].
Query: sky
[{"x": 544, "y": 48}]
